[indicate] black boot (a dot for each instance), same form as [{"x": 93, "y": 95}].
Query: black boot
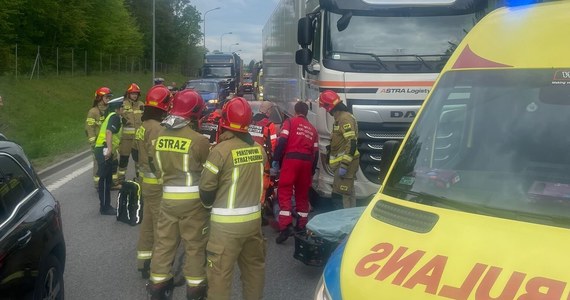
[
  {"x": 145, "y": 271},
  {"x": 160, "y": 291},
  {"x": 284, "y": 234},
  {"x": 196, "y": 292},
  {"x": 108, "y": 211}
]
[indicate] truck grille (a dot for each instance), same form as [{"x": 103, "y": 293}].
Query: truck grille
[{"x": 370, "y": 143}]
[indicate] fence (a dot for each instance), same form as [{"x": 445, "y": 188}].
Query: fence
[{"x": 34, "y": 61}]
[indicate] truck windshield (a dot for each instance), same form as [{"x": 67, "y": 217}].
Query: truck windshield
[
  {"x": 217, "y": 72},
  {"x": 424, "y": 40},
  {"x": 492, "y": 142}
]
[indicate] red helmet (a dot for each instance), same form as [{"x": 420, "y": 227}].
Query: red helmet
[
  {"x": 187, "y": 104},
  {"x": 236, "y": 115},
  {"x": 133, "y": 88},
  {"x": 328, "y": 100},
  {"x": 102, "y": 91},
  {"x": 158, "y": 96}
]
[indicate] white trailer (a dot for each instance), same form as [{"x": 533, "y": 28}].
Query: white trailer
[{"x": 381, "y": 56}]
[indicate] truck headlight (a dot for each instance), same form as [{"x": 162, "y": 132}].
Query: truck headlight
[{"x": 322, "y": 292}]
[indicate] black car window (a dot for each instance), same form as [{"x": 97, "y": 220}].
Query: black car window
[{"x": 15, "y": 186}]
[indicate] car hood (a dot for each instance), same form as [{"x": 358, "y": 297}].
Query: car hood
[
  {"x": 404, "y": 250},
  {"x": 208, "y": 96}
]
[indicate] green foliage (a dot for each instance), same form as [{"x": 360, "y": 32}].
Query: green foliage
[
  {"x": 47, "y": 116},
  {"x": 110, "y": 27}
]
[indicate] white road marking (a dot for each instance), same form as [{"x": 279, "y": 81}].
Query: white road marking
[{"x": 54, "y": 186}]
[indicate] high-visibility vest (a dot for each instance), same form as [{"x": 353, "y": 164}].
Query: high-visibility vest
[{"x": 103, "y": 132}]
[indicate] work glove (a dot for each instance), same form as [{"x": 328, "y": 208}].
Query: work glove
[{"x": 342, "y": 171}]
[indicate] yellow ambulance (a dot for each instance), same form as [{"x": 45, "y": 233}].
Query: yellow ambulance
[{"x": 475, "y": 203}]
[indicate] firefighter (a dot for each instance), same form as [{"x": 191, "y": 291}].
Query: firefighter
[
  {"x": 344, "y": 157},
  {"x": 133, "y": 109},
  {"x": 298, "y": 151},
  {"x": 262, "y": 130},
  {"x": 180, "y": 154},
  {"x": 156, "y": 107},
  {"x": 231, "y": 186},
  {"x": 106, "y": 151},
  {"x": 95, "y": 117}
]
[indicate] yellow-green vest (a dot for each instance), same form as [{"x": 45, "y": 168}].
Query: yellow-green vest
[{"x": 103, "y": 132}]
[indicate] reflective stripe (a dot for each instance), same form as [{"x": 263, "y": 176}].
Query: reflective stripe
[
  {"x": 180, "y": 189},
  {"x": 233, "y": 187},
  {"x": 180, "y": 196},
  {"x": 129, "y": 130},
  {"x": 303, "y": 215},
  {"x": 285, "y": 132},
  {"x": 92, "y": 139},
  {"x": 235, "y": 219},
  {"x": 158, "y": 278},
  {"x": 316, "y": 145},
  {"x": 258, "y": 134},
  {"x": 194, "y": 281},
  {"x": 261, "y": 174},
  {"x": 152, "y": 180},
  {"x": 180, "y": 192},
  {"x": 90, "y": 121},
  {"x": 211, "y": 167},
  {"x": 348, "y": 134},
  {"x": 186, "y": 168},
  {"x": 236, "y": 211},
  {"x": 347, "y": 158},
  {"x": 121, "y": 172},
  {"x": 273, "y": 136},
  {"x": 144, "y": 254},
  {"x": 334, "y": 160},
  {"x": 284, "y": 213}
]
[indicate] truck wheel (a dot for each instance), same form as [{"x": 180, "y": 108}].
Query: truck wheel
[{"x": 49, "y": 283}]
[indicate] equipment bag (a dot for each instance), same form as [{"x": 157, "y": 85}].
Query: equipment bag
[{"x": 129, "y": 203}]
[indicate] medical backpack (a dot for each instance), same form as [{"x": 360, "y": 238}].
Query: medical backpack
[{"x": 130, "y": 203}]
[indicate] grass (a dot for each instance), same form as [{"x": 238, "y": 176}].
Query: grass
[{"x": 46, "y": 116}]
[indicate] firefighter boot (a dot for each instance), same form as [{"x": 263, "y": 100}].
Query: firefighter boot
[
  {"x": 284, "y": 234},
  {"x": 196, "y": 292},
  {"x": 160, "y": 291}
]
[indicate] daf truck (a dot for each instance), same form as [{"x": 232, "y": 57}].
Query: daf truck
[
  {"x": 223, "y": 67},
  {"x": 381, "y": 56}
]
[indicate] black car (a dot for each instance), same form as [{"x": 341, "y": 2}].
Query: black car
[{"x": 32, "y": 247}]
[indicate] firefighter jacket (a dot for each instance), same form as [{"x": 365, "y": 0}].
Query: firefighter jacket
[
  {"x": 112, "y": 123},
  {"x": 180, "y": 154},
  {"x": 146, "y": 137},
  {"x": 263, "y": 132},
  {"x": 234, "y": 172},
  {"x": 343, "y": 140},
  {"x": 95, "y": 117},
  {"x": 210, "y": 125},
  {"x": 132, "y": 117},
  {"x": 298, "y": 140}
]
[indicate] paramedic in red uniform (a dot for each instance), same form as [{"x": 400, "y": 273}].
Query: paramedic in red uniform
[{"x": 297, "y": 148}]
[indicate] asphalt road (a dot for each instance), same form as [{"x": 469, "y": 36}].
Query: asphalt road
[{"x": 101, "y": 252}]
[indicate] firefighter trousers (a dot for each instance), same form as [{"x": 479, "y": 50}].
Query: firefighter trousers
[
  {"x": 223, "y": 251},
  {"x": 185, "y": 220},
  {"x": 152, "y": 195},
  {"x": 126, "y": 150},
  {"x": 296, "y": 175}
]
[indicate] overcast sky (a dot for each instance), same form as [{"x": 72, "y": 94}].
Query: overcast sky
[{"x": 244, "y": 18}]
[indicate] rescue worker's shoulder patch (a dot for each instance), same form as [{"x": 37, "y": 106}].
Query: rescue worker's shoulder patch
[
  {"x": 247, "y": 155},
  {"x": 139, "y": 135}
]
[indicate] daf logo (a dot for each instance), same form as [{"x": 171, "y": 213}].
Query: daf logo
[{"x": 402, "y": 114}]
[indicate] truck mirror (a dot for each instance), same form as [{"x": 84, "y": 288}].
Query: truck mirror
[
  {"x": 343, "y": 22},
  {"x": 389, "y": 150},
  {"x": 304, "y": 32},
  {"x": 303, "y": 56}
]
